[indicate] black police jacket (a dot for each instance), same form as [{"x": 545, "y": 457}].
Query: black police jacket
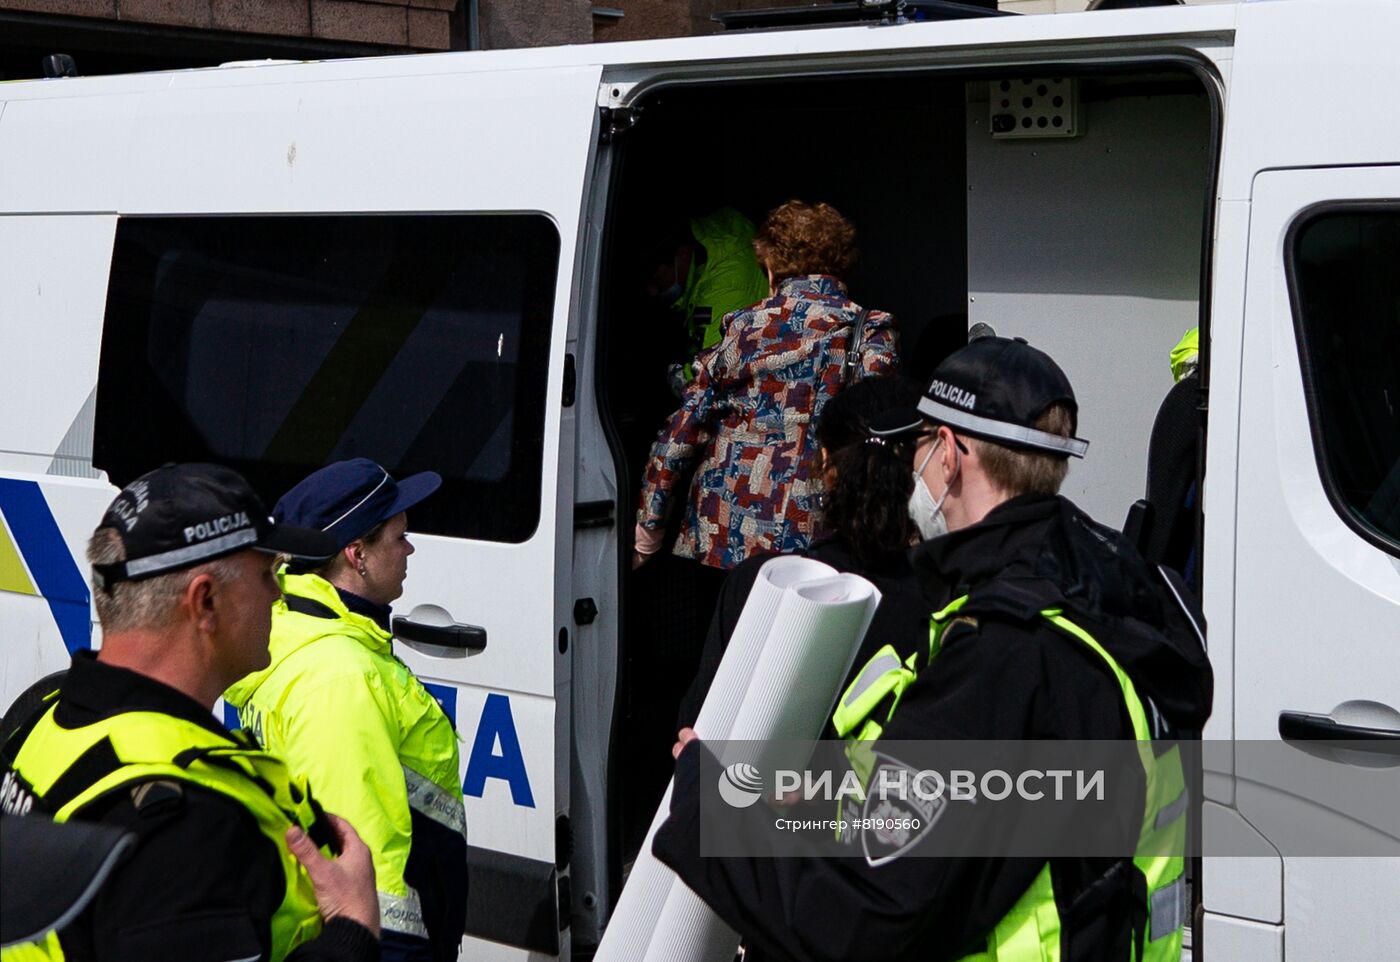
[
  {"x": 1004, "y": 676},
  {"x": 203, "y": 882}
]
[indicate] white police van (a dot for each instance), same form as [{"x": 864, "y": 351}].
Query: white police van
[{"x": 434, "y": 261}]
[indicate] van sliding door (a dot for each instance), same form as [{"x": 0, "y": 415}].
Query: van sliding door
[
  {"x": 1317, "y": 597},
  {"x": 381, "y": 265}
]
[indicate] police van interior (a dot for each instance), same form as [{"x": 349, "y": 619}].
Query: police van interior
[{"x": 1063, "y": 202}]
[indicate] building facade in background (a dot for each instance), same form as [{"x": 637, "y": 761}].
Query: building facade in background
[{"x": 117, "y": 36}]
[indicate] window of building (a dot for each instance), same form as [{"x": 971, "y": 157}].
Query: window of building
[
  {"x": 1346, "y": 296},
  {"x": 278, "y": 344}
]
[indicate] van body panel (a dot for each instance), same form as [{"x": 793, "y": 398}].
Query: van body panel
[
  {"x": 1300, "y": 91},
  {"x": 294, "y": 148},
  {"x": 1315, "y": 602},
  {"x": 53, "y": 270},
  {"x": 1231, "y": 938},
  {"x": 1220, "y": 486}
]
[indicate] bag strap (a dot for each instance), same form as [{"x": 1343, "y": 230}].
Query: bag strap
[{"x": 852, "y": 365}]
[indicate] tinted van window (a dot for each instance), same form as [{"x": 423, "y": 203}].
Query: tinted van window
[
  {"x": 1346, "y": 293},
  {"x": 279, "y": 344}
]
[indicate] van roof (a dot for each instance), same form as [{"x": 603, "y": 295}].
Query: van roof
[{"x": 1003, "y": 32}]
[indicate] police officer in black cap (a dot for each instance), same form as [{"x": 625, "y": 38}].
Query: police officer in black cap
[
  {"x": 233, "y": 856},
  {"x": 1050, "y": 627}
]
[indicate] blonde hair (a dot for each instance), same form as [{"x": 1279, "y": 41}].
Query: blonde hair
[{"x": 1019, "y": 471}]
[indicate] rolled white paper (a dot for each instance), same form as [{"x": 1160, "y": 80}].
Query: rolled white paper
[
  {"x": 798, "y": 634},
  {"x": 629, "y": 930}
]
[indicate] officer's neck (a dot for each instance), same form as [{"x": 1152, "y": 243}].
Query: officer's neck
[{"x": 167, "y": 657}]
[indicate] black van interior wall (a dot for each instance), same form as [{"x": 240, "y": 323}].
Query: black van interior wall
[
  {"x": 1090, "y": 248},
  {"x": 889, "y": 154}
]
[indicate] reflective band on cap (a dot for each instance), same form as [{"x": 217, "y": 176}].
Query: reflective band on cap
[
  {"x": 430, "y": 799},
  {"x": 1001, "y": 430},
  {"x": 1168, "y": 909},
  {"x": 402, "y": 913},
  {"x": 360, "y": 503},
  {"x": 195, "y": 553}
]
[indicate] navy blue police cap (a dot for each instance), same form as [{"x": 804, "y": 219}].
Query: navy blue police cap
[
  {"x": 348, "y": 498},
  {"x": 181, "y": 515},
  {"x": 995, "y": 389}
]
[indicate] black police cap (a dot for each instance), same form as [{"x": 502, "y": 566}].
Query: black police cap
[
  {"x": 182, "y": 515},
  {"x": 995, "y": 388}
]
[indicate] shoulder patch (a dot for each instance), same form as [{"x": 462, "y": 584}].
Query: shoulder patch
[
  {"x": 899, "y": 811},
  {"x": 158, "y": 797},
  {"x": 959, "y": 627}
]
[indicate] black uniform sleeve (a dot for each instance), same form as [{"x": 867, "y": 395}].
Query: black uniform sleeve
[
  {"x": 202, "y": 884},
  {"x": 340, "y": 941},
  {"x": 825, "y": 908}
]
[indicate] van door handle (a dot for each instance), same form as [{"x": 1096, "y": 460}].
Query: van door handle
[
  {"x": 1303, "y": 726},
  {"x": 431, "y": 629}
]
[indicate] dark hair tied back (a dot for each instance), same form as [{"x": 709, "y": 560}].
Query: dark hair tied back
[{"x": 867, "y": 506}]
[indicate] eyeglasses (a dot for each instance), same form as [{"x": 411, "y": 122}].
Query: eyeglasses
[{"x": 934, "y": 436}]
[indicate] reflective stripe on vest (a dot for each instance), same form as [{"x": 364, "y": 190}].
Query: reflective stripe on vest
[
  {"x": 1031, "y": 930},
  {"x": 403, "y": 913},
  {"x": 148, "y": 746},
  {"x": 429, "y": 799}
]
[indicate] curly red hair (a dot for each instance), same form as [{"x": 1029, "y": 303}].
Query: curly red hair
[{"x": 800, "y": 238}]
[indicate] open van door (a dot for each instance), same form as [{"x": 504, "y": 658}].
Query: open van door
[{"x": 1317, "y": 597}]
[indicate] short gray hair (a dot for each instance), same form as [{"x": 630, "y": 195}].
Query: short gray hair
[{"x": 148, "y": 603}]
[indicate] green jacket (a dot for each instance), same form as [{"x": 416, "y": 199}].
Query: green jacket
[
  {"x": 348, "y": 715},
  {"x": 1184, "y": 354},
  {"x": 730, "y": 278}
]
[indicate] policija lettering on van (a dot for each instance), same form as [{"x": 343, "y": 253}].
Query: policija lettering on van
[{"x": 495, "y": 728}]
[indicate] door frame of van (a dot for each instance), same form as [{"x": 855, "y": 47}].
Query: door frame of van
[{"x": 627, "y": 86}]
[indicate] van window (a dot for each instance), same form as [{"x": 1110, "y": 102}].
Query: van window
[
  {"x": 1346, "y": 295},
  {"x": 276, "y": 345}
]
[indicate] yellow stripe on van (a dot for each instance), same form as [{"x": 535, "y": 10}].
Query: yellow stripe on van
[{"x": 14, "y": 576}]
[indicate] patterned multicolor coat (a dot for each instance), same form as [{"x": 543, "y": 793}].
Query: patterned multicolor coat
[{"x": 747, "y": 418}]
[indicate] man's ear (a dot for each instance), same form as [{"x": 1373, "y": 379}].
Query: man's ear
[
  {"x": 947, "y": 451},
  {"x": 198, "y": 601}
]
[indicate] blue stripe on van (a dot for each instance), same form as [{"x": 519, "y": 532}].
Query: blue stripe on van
[{"x": 55, "y": 574}]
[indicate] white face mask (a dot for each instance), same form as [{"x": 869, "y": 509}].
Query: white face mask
[{"x": 927, "y": 513}]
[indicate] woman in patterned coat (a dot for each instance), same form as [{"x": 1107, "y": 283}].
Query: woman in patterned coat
[{"x": 746, "y": 422}]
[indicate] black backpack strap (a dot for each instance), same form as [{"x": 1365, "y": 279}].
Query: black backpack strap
[
  {"x": 851, "y": 369},
  {"x": 309, "y": 606}
]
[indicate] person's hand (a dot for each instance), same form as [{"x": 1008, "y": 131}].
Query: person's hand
[
  {"x": 683, "y": 738},
  {"x": 344, "y": 884},
  {"x": 645, "y": 544}
]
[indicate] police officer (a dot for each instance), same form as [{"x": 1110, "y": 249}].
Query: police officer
[
  {"x": 339, "y": 706},
  {"x": 1050, "y": 627},
  {"x": 223, "y": 868}
]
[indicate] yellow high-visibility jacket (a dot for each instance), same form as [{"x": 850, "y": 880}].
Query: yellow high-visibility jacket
[{"x": 343, "y": 711}]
